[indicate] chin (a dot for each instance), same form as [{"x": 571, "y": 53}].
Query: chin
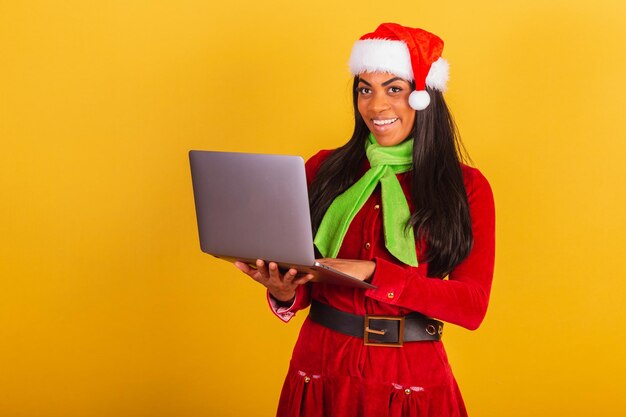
[{"x": 388, "y": 140}]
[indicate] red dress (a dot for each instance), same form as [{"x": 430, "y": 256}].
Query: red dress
[{"x": 332, "y": 374}]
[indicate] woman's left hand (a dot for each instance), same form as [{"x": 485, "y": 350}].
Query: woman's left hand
[{"x": 357, "y": 268}]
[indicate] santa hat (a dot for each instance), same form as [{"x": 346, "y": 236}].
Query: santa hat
[{"x": 412, "y": 54}]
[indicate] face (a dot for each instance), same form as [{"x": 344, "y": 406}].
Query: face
[{"x": 383, "y": 102}]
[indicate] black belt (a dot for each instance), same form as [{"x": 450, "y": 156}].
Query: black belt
[{"x": 378, "y": 330}]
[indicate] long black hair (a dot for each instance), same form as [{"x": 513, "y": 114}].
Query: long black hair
[{"x": 441, "y": 214}]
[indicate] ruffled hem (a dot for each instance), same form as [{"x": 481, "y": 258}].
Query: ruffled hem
[{"x": 307, "y": 394}]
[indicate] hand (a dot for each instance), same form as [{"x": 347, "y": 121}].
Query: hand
[
  {"x": 282, "y": 287},
  {"x": 357, "y": 268}
]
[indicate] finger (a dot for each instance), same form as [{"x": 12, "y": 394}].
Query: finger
[
  {"x": 304, "y": 279},
  {"x": 245, "y": 268},
  {"x": 251, "y": 272},
  {"x": 274, "y": 272},
  {"x": 290, "y": 275},
  {"x": 262, "y": 268}
]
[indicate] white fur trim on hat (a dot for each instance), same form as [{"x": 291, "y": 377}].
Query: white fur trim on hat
[
  {"x": 374, "y": 55},
  {"x": 438, "y": 75},
  {"x": 381, "y": 55}
]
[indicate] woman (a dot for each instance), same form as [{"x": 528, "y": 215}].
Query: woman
[{"x": 394, "y": 207}]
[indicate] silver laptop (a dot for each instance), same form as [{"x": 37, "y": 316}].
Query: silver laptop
[{"x": 254, "y": 206}]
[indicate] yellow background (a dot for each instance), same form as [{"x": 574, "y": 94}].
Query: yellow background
[{"x": 107, "y": 305}]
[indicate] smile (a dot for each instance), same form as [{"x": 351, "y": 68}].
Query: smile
[{"x": 384, "y": 122}]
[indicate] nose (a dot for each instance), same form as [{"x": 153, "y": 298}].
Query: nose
[{"x": 380, "y": 103}]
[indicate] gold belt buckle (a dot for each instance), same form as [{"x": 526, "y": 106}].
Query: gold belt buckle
[{"x": 367, "y": 331}]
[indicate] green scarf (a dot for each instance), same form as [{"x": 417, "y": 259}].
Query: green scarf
[{"x": 386, "y": 162}]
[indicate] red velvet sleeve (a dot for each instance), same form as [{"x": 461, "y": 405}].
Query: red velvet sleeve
[
  {"x": 461, "y": 299},
  {"x": 303, "y": 292}
]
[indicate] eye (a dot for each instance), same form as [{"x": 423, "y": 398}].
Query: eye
[
  {"x": 364, "y": 90},
  {"x": 395, "y": 89}
]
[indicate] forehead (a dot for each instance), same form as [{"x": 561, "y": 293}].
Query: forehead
[{"x": 380, "y": 77}]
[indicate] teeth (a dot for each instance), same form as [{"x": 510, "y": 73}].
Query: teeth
[{"x": 384, "y": 122}]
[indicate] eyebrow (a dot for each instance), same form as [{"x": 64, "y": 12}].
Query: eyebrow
[{"x": 385, "y": 84}]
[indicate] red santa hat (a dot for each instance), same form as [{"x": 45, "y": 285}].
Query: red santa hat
[{"x": 412, "y": 54}]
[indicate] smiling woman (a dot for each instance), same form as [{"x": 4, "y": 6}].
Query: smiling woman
[
  {"x": 394, "y": 206},
  {"x": 383, "y": 102}
]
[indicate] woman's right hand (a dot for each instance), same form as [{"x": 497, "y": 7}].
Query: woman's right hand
[{"x": 281, "y": 286}]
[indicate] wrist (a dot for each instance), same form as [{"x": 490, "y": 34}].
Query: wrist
[{"x": 284, "y": 299}]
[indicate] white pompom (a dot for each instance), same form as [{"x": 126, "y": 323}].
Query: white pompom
[{"x": 419, "y": 100}]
